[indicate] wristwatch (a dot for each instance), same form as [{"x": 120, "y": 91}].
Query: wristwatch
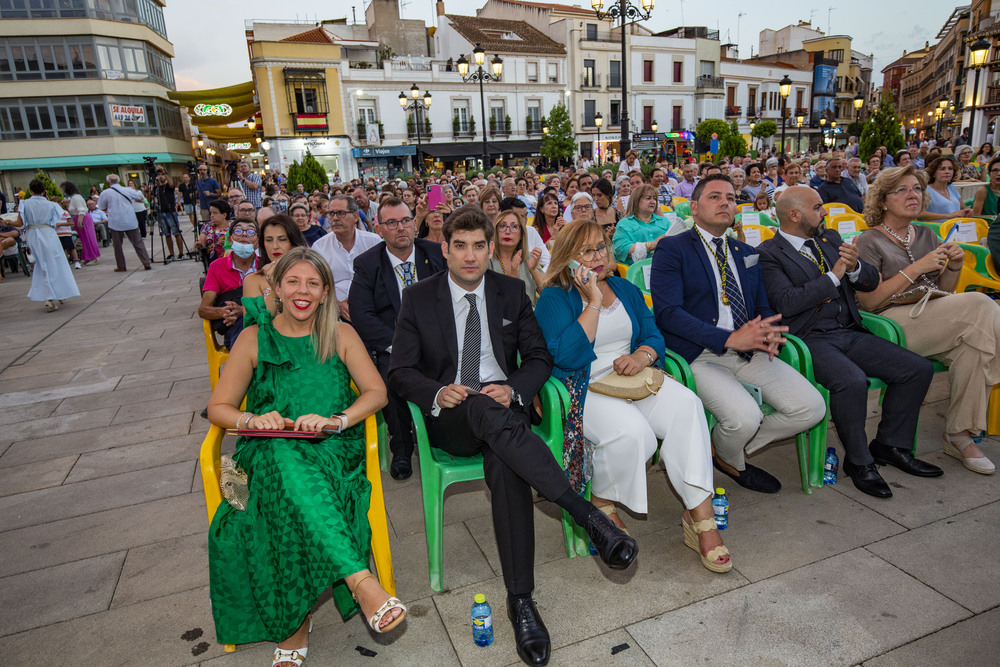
[
  {"x": 343, "y": 422},
  {"x": 515, "y": 397}
]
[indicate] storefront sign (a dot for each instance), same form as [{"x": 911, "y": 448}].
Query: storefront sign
[
  {"x": 122, "y": 113},
  {"x": 383, "y": 151},
  {"x": 646, "y": 136},
  {"x": 212, "y": 110}
]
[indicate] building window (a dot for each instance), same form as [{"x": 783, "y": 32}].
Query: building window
[
  {"x": 461, "y": 115},
  {"x": 836, "y": 55},
  {"x": 678, "y": 123},
  {"x": 752, "y": 103},
  {"x": 86, "y": 116},
  {"x": 498, "y": 117},
  {"x": 53, "y": 58},
  {"x": 592, "y": 31},
  {"x": 799, "y": 102},
  {"x": 306, "y": 89},
  {"x": 589, "y": 74},
  {"x": 532, "y": 71},
  {"x": 144, "y": 12},
  {"x": 647, "y": 118},
  {"x": 614, "y": 73},
  {"x": 707, "y": 68},
  {"x": 678, "y": 71},
  {"x": 589, "y": 110},
  {"x": 366, "y": 114},
  {"x": 533, "y": 118},
  {"x": 587, "y": 149},
  {"x": 615, "y": 114},
  {"x": 647, "y": 71},
  {"x": 553, "y": 72}
]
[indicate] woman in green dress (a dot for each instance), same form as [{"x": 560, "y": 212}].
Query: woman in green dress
[{"x": 305, "y": 525}]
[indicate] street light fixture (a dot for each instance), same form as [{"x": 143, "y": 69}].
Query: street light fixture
[
  {"x": 624, "y": 13},
  {"x": 859, "y": 101},
  {"x": 784, "y": 88},
  {"x": 798, "y": 123},
  {"x": 822, "y": 129},
  {"x": 598, "y": 121},
  {"x": 417, "y": 106},
  {"x": 653, "y": 126},
  {"x": 977, "y": 58},
  {"x": 252, "y": 123},
  {"x": 833, "y": 134},
  {"x": 482, "y": 76}
]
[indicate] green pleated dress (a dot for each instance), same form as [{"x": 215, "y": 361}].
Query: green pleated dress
[{"x": 306, "y": 526}]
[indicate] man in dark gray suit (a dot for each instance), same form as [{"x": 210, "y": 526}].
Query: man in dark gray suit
[{"x": 810, "y": 276}]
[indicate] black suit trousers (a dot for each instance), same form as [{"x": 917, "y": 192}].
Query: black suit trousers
[
  {"x": 514, "y": 461},
  {"x": 843, "y": 360},
  {"x": 396, "y": 413}
]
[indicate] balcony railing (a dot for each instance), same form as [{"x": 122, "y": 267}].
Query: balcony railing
[
  {"x": 602, "y": 36},
  {"x": 993, "y": 95},
  {"x": 614, "y": 81},
  {"x": 533, "y": 126},
  {"x": 733, "y": 111},
  {"x": 706, "y": 81},
  {"x": 590, "y": 81},
  {"x": 463, "y": 130}
]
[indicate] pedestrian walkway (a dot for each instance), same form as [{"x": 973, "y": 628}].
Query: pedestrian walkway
[{"x": 103, "y": 558}]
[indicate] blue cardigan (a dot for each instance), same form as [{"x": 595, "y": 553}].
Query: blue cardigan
[{"x": 557, "y": 312}]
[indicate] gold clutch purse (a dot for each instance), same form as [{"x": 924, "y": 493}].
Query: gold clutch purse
[
  {"x": 636, "y": 387},
  {"x": 233, "y": 482}
]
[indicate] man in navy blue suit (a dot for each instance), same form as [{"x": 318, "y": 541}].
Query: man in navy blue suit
[
  {"x": 380, "y": 275},
  {"x": 710, "y": 304}
]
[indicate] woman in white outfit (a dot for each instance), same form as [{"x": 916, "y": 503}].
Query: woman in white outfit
[
  {"x": 596, "y": 324},
  {"x": 52, "y": 279}
]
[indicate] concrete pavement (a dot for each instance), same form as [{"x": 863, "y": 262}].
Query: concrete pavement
[{"x": 102, "y": 530}]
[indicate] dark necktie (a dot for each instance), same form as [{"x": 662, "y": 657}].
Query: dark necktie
[
  {"x": 732, "y": 291},
  {"x": 817, "y": 256},
  {"x": 471, "y": 346}
]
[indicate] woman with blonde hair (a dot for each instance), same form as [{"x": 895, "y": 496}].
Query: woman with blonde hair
[
  {"x": 511, "y": 254},
  {"x": 597, "y": 325},
  {"x": 637, "y": 234},
  {"x": 919, "y": 274},
  {"x": 301, "y": 525}
]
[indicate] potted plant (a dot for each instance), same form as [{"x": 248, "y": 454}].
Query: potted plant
[
  {"x": 456, "y": 124},
  {"x": 506, "y": 123},
  {"x": 410, "y": 126},
  {"x": 493, "y": 124}
]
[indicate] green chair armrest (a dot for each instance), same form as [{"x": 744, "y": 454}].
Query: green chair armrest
[
  {"x": 678, "y": 368},
  {"x": 883, "y": 327}
]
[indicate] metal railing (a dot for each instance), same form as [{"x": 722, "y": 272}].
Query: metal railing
[
  {"x": 707, "y": 81},
  {"x": 590, "y": 81}
]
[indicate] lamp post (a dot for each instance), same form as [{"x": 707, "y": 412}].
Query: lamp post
[
  {"x": 753, "y": 141},
  {"x": 482, "y": 76},
  {"x": 977, "y": 58},
  {"x": 822, "y": 130},
  {"x": 859, "y": 101},
  {"x": 625, "y": 13},
  {"x": 833, "y": 134},
  {"x": 942, "y": 105},
  {"x": 417, "y": 106},
  {"x": 784, "y": 88},
  {"x": 798, "y": 139},
  {"x": 598, "y": 121}
]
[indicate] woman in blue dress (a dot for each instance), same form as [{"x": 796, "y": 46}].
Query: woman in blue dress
[{"x": 52, "y": 280}]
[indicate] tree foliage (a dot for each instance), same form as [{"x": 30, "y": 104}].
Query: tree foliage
[
  {"x": 764, "y": 129},
  {"x": 51, "y": 189},
  {"x": 882, "y": 129},
  {"x": 707, "y": 128},
  {"x": 310, "y": 174},
  {"x": 733, "y": 143},
  {"x": 559, "y": 143}
]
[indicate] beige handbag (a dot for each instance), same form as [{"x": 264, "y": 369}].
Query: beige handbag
[
  {"x": 636, "y": 387},
  {"x": 233, "y": 482}
]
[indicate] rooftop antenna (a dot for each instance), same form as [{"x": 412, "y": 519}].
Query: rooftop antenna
[
  {"x": 682, "y": 13},
  {"x": 738, "y": 17},
  {"x": 354, "y": 15},
  {"x": 829, "y": 11},
  {"x": 812, "y": 12}
]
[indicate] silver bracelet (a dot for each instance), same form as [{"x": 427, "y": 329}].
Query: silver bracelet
[
  {"x": 594, "y": 307},
  {"x": 907, "y": 277},
  {"x": 651, "y": 360}
]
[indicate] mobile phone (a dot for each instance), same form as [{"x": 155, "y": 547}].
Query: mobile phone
[
  {"x": 435, "y": 196},
  {"x": 574, "y": 265}
]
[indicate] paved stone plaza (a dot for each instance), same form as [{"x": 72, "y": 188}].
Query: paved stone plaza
[{"x": 102, "y": 530}]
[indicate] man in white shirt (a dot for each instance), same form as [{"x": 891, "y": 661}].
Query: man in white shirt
[
  {"x": 853, "y": 173},
  {"x": 341, "y": 247},
  {"x": 117, "y": 201}
]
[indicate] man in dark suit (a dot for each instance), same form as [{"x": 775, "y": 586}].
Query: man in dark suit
[
  {"x": 455, "y": 355},
  {"x": 709, "y": 302},
  {"x": 811, "y": 277},
  {"x": 836, "y": 190},
  {"x": 380, "y": 275}
]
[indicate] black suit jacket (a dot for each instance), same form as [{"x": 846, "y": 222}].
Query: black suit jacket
[
  {"x": 807, "y": 299},
  {"x": 374, "y": 295},
  {"x": 425, "y": 347}
]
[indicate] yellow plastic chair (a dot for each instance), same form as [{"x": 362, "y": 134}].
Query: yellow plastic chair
[
  {"x": 765, "y": 232},
  {"x": 837, "y": 206},
  {"x": 665, "y": 209},
  {"x": 217, "y": 354},
  {"x": 845, "y": 223},
  {"x": 211, "y": 455},
  {"x": 745, "y": 207},
  {"x": 982, "y": 228}
]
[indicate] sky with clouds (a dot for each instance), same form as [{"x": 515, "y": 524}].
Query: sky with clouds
[{"x": 210, "y": 42}]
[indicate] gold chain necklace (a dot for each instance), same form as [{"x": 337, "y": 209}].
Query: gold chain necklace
[{"x": 722, "y": 266}]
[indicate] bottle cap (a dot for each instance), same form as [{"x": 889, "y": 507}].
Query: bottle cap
[
  {"x": 830, "y": 449},
  {"x": 480, "y": 598},
  {"x": 720, "y": 490}
]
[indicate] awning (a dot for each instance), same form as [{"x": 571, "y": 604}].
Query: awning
[
  {"x": 106, "y": 159},
  {"x": 474, "y": 149}
]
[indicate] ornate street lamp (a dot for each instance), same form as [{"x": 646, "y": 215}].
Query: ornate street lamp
[
  {"x": 784, "y": 88},
  {"x": 417, "y": 106},
  {"x": 798, "y": 123},
  {"x": 822, "y": 129},
  {"x": 598, "y": 121},
  {"x": 482, "y": 76},
  {"x": 859, "y": 101},
  {"x": 624, "y": 13},
  {"x": 978, "y": 52}
]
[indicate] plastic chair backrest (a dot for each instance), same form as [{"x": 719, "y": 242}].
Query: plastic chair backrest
[
  {"x": 745, "y": 207},
  {"x": 757, "y": 234},
  {"x": 637, "y": 274},
  {"x": 971, "y": 230},
  {"x": 762, "y": 218},
  {"x": 834, "y": 208},
  {"x": 217, "y": 354},
  {"x": 682, "y": 209},
  {"x": 845, "y": 223}
]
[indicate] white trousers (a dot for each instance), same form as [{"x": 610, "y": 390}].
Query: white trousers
[{"x": 625, "y": 435}]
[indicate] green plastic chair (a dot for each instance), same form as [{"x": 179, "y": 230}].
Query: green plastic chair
[
  {"x": 383, "y": 441},
  {"x": 439, "y": 469},
  {"x": 765, "y": 220},
  {"x": 683, "y": 210},
  {"x": 637, "y": 276}
]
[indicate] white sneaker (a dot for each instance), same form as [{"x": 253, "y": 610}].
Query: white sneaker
[{"x": 77, "y": 265}]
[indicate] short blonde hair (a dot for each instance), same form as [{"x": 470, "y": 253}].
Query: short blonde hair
[
  {"x": 520, "y": 214},
  {"x": 887, "y": 181},
  {"x": 567, "y": 244},
  {"x": 638, "y": 192}
]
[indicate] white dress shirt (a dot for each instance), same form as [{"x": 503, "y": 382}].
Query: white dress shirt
[
  {"x": 117, "y": 201},
  {"x": 799, "y": 243},
  {"x": 725, "y": 312},
  {"x": 341, "y": 260}
]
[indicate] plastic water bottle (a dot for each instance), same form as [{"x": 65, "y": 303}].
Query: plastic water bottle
[
  {"x": 830, "y": 467},
  {"x": 720, "y": 505},
  {"x": 482, "y": 621}
]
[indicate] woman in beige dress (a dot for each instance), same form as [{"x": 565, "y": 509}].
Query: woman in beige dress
[{"x": 960, "y": 330}]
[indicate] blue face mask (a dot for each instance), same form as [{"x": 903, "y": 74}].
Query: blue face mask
[{"x": 243, "y": 250}]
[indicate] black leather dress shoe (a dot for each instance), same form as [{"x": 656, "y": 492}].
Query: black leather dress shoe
[
  {"x": 867, "y": 479},
  {"x": 615, "y": 548},
  {"x": 400, "y": 467},
  {"x": 904, "y": 460},
  {"x": 752, "y": 478},
  {"x": 530, "y": 633}
]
